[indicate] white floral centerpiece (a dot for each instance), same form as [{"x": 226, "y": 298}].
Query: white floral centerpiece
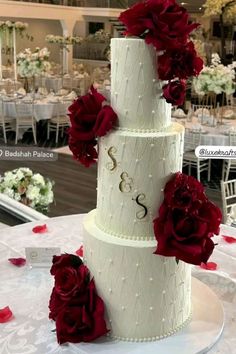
[
  {"x": 63, "y": 40},
  {"x": 100, "y": 36},
  {"x": 29, "y": 188},
  {"x": 9, "y": 25},
  {"x": 31, "y": 64},
  {"x": 227, "y": 8},
  {"x": 216, "y": 78}
]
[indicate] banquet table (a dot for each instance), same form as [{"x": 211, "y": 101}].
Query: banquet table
[
  {"x": 210, "y": 135},
  {"x": 43, "y": 109},
  {"x": 26, "y": 290}
]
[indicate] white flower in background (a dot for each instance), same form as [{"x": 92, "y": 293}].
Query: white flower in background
[
  {"x": 29, "y": 188},
  {"x": 63, "y": 40},
  {"x": 215, "y": 78},
  {"x": 35, "y": 63},
  {"x": 218, "y": 7}
]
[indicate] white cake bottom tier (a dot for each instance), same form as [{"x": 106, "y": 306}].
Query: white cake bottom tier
[
  {"x": 147, "y": 297},
  {"x": 133, "y": 169}
]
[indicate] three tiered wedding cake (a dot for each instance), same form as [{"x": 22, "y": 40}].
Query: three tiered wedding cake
[{"x": 147, "y": 296}]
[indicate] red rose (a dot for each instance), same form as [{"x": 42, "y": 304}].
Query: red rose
[
  {"x": 187, "y": 220},
  {"x": 182, "y": 191},
  {"x": 174, "y": 92},
  {"x": 69, "y": 281},
  {"x": 59, "y": 262},
  {"x": 84, "y": 152},
  {"x": 84, "y": 322},
  {"x": 181, "y": 63},
  {"x": 89, "y": 119},
  {"x": 163, "y": 23}
]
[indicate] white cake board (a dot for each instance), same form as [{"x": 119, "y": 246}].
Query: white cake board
[{"x": 198, "y": 337}]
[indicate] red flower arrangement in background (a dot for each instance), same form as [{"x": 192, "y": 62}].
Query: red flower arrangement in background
[
  {"x": 187, "y": 221},
  {"x": 74, "y": 303},
  {"x": 165, "y": 25},
  {"x": 90, "y": 118}
]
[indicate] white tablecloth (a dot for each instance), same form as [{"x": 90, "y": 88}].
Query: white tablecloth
[
  {"x": 218, "y": 136},
  {"x": 27, "y": 291},
  {"x": 43, "y": 109}
]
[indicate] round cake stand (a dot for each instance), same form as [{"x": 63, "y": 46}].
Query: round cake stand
[{"x": 198, "y": 337}]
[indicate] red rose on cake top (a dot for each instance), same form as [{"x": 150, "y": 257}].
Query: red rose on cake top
[{"x": 163, "y": 23}]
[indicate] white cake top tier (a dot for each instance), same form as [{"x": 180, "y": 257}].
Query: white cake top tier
[{"x": 136, "y": 91}]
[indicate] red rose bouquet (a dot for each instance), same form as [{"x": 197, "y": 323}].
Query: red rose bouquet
[
  {"x": 90, "y": 118},
  {"x": 187, "y": 221},
  {"x": 165, "y": 25},
  {"x": 74, "y": 303}
]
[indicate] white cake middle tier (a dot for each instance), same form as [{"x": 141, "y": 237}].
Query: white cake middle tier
[{"x": 133, "y": 169}]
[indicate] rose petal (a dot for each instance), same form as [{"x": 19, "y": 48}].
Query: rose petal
[
  {"x": 18, "y": 262},
  {"x": 40, "y": 229},
  {"x": 5, "y": 315},
  {"x": 209, "y": 266},
  {"x": 80, "y": 251},
  {"x": 229, "y": 239}
]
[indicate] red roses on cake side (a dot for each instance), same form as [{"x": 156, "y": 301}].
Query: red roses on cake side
[
  {"x": 74, "y": 304},
  {"x": 90, "y": 118},
  {"x": 187, "y": 221},
  {"x": 166, "y": 25}
]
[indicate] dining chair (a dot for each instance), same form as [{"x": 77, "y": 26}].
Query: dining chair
[
  {"x": 60, "y": 119},
  {"x": 25, "y": 118},
  {"x": 228, "y": 194},
  {"x": 190, "y": 160},
  {"x": 5, "y": 121},
  {"x": 229, "y": 165}
]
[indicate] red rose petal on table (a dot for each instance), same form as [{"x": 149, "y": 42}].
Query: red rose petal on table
[
  {"x": 80, "y": 251},
  {"x": 209, "y": 266},
  {"x": 229, "y": 239},
  {"x": 5, "y": 314},
  {"x": 18, "y": 262},
  {"x": 40, "y": 229}
]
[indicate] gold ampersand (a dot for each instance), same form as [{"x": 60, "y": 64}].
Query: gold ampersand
[
  {"x": 111, "y": 166},
  {"x": 126, "y": 183},
  {"x": 142, "y": 213}
]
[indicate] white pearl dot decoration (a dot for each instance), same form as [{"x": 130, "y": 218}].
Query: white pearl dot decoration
[
  {"x": 140, "y": 97},
  {"x": 127, "y": 79},
  {"x": 99, "y": 272},
  {"x": 123, "y": 144},
  {"x": 164, "y": 159},
  {"x": 162, "y": 189},
  {"x": 135, "y": 191},
  {"x": 137, "y": 160},
  {"x": 163, "y": 320},
  {"x": 163, "y": 292},
  {"x": 127, "y": 47},
  {"x": 153, "y": 80},
  {"x": 110, "y": 290},
  {"x": 136, "y": 295},
  {"x": 137, "y": 323},
  {"x": 152, "y": 145},
  {"x": 110, "y": 321},
  {"x": 122, "y": 204},
  {"x": 141, "y": 64},
  {"x": 151, "y": 308},
  {"x": 123, "y": 308},
  {"x": 137, "y": 265},
  {"x": 153, "y": 112},
  {"x": 151, "y": 279},
  {"x": 116, "y": 93},
  {"x": 150, "y": 176},
  {"x": 110, "y": 261},
  {"x": 123, "y": 278},
  {"x": 135, "y": 221}
]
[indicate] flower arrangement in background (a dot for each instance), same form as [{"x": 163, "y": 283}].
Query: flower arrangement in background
[
  {"x": 227, "y": 8},
  {"x": 166, "y": 26},
  {"x": 90, "y": 118},
  {"x": 187, "y": 221},
  {"x": 30, "y": 64},
  {"x": 216, "y": 78},
  {"x": 29, "y": 188},
  {"x": 74, "y": 304},
  {"x": 7, "y": 27},
  {"x": 63, "y": 40},
  {"x": 100, "y": 36}
]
